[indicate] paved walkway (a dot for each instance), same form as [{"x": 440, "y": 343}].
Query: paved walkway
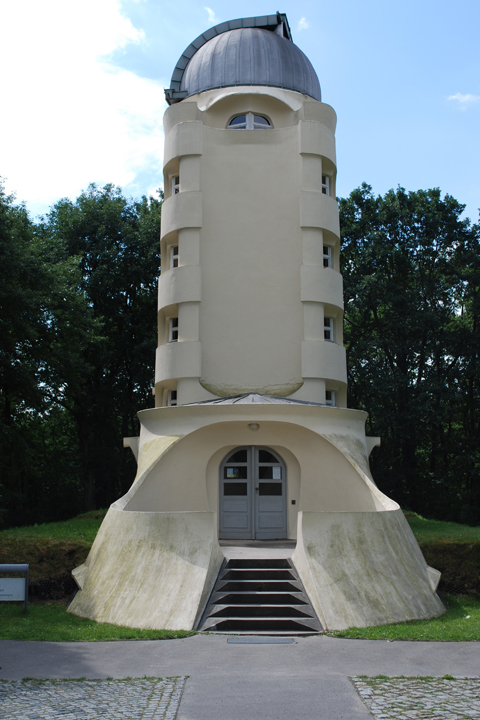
[
  {"x": 432, "y": 698},
  {"x": 306, "y": 680},
  {"x": 151, "y": 699}
]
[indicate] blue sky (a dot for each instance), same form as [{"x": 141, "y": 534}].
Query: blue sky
[{"x": 82, "y": 90}]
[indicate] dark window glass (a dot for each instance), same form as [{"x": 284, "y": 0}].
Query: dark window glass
[
  {"x": 238, "y": 120},
  {"x": 259, "y": 120},
  {"x": 265, "y": 456},
  {"x": 236, "y": 488},
  {"x": 270, "y": 488},
  {"x": 239, "y": 456},
  {"x": 235, "y": 472},
  {"x": 265, "y": 473}
]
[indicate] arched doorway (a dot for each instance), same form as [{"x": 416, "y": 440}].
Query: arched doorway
[{"x": 253, "y": 495}]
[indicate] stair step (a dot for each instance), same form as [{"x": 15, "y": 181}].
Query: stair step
[
  {"x": 240, "y": 598},
  {"x": 259, "y": 585},
  {"x": 285, "y": 625},
  {"x": 257, "y": 574},
  {"x": 269, "y": 563},
  {"x": 257, "y": 611},
  {"x": 259, "y": 595},
  {"x": 247, "y": 596}
]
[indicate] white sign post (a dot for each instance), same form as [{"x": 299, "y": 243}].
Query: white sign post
[{"x": 14, "y": 589}]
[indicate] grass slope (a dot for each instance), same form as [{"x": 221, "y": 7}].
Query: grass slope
[{"x": 439, "y": 531}]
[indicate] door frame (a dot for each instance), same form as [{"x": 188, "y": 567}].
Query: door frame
[{"x": 252, "y": 463}]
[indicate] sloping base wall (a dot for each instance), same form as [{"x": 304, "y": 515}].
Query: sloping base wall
[
  {"x": 149, "y": 570},
  {"x": 365, "y": 568}
]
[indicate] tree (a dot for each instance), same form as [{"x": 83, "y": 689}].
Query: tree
[
  {"x": 77, "y": 346},
  {"x": 38, "y": 303},
  {"x": 116, "y": 242},
  {"x": 409, "y": 263}
]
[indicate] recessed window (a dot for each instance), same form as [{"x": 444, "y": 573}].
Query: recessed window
[
  {"x": 328, "y": 329},
  {"x": 175, "y": 184},
  {"x": 329, "y": 397},
  {"x": 174, "y": 256},
  {"x": 325, "y": 184},
  {"x": 327, "y": 256},
  {"x": 173, "y": 330},
  {"x": 172, "y": 398},
  {"x": 249, "y": 121}
]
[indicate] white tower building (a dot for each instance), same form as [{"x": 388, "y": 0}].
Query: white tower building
[{"x": 251, "y": 438}]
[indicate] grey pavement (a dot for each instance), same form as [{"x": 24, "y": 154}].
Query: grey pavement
[{"x": 308, "y": 679}]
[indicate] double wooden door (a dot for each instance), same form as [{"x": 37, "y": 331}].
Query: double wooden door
[{"x": 253, "y": 495}]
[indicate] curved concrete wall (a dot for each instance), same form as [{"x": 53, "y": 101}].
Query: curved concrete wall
[
  {"x": 149, "y": 570},
  {"x": 251, "y": 196},
  {"x": 181, "y": 211},
  {"x": 323, "y": 359},
  {"x": 355, "y": 553},
  {"x": 181, "y": 284},
  {"x": 319, "y": 284},
  {"x": 183, "y": 139},
  {"x": 178, "y": 360},
  {"x": 363, "y": 568},
  {"x": 317, "y": 139},
  {"x": 319, "y": 210}
]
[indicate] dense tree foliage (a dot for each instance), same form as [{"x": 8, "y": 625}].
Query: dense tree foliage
[
  {"x": 78, "y": 335},
  {"x": 411, "y": 268},
  {"x": 77, "y": 342}
]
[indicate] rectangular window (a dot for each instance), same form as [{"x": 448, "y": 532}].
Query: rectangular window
[
  {"x": 327, "y": 256},
  {"x": 172, "y": 398},
  {"x": 175, "y": 184},
  {"x": 174, "y": 256},
  {"x": 325, "y": 185},
  {"x": 330, "y": 397},
  {"x": 173, "y": 330},
  {"x": 328, "y": 329}
]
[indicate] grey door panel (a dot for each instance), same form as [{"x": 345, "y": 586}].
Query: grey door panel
[{"x": 253, "y": 495}]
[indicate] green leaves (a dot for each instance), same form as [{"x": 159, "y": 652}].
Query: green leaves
[
  {"x": 409, "y": 259},
  {"x": 77, "y": 346}
]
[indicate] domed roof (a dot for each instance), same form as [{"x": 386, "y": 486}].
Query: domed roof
[{"x": 249, "y": 51}]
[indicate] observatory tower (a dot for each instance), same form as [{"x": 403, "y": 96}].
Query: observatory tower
[{"x": 251, "y": 438}]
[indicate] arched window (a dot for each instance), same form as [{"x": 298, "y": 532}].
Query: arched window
[{"x": 249, "y": 121}]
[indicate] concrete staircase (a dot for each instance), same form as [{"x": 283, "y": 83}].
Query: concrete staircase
[{"x": 260, "y": 596}]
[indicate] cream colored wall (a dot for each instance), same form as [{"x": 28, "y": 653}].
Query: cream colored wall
[
  {"x": 252, "y": 214},
  {"x": 319, "y": 477},
  {"x": 364, "y": 568},
  {"x": 149, "y": 570}
]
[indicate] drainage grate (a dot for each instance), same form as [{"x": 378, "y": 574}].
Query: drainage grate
[{"x": 261, "y": 641}]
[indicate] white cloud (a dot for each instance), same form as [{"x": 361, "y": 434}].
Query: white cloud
[
  {"x": 465, "y": 100},
  {"x": 303, "y": 24},
  {"x": 69, "y": 116},
  {"x": 212, "y": 18}
]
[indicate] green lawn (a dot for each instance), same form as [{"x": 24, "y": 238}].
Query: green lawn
[
  {"x": 83, "y": 528},
  {"x": 432, "y": 531},
  {"x": 461, "y": 621},
  {"x": 52, "y": 622}
]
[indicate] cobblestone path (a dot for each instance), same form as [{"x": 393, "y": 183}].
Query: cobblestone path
[
  {"x": 416, "y": 698},
  {"x": 145, "y": 699}
]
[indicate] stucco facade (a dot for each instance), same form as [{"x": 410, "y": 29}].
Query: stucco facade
[{"x": 250, "y": 355}]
